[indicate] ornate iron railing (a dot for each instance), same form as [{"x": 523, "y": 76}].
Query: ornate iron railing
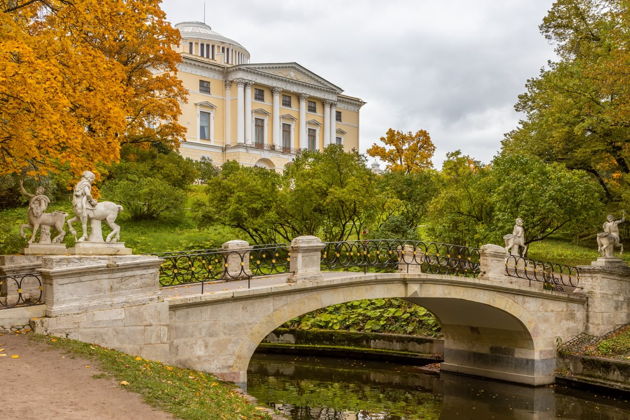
[
  {"x": 390, "y": 255},
  {"x": 208, "y": 265},
  {"x": 24, "y": 289},
  {"x": 559, "y": 277}
]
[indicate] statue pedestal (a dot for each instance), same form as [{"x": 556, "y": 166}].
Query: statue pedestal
[
  {"x": 609, "y": 262},
  {"x": 45, "y": 249},
  {"x": 100, "y": 248}
]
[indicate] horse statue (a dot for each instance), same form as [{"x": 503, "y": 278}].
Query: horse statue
[
  {"x": 86, "y": 208},
  {"x": 104, "y": 210}
]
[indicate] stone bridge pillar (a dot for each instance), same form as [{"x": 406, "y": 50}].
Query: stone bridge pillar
[
  {"x": 606, "y": 283},
  {"x": 305, "y": 260}
]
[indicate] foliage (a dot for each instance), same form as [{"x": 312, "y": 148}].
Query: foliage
[
  {"x": 149, "y": 184},
  {"x": 405, "y": 203},
  {"x": 206, "y": 169},
  {"x": 329, "y": 193},
  {"x": 78, "y": 78},
  {"x": 375, "y": 315},
  {"x": 577, "y": 111},
  {"x": 405, "y": 152},
  {"x": 185, "y": 393},
  {"x": 243, "y": 198},
  {"x": 478, "y": 204},
  {"x": 548, "y": 197},
  {"x": 461, "y": 212},
  {"x": 616, "y": 345}
]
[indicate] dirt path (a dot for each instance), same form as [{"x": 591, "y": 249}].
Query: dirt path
[{"x": 45, "y": 383}]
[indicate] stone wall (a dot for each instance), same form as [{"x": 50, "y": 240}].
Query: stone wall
[
  {"x": 393, "y": 342},
  {"x": 596, "y": 370}
]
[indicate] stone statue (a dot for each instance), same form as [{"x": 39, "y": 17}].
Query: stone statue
[
  {"x": 38, "y": 218},
  {"x": 515, "y": 241},
  {"x": 87, "y": 208},
  {"x": 609, "y": 238}
]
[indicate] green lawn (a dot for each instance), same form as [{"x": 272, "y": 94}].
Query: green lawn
[{"x": 188, "y": 394}]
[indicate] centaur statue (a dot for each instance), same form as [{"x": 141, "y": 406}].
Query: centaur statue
[
  {"x": 515, "y": 241},
  {"x": 87, "y": 208},
  {"x": 609, "y": 239}
]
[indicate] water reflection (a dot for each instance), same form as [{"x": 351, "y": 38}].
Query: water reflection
[{"x": 337, "y": 389}]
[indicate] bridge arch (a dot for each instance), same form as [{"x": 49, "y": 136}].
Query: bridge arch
[{"x": 489, "y": 330}]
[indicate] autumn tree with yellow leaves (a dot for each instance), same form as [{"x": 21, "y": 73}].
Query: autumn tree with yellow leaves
[
  {"x": 405, "y": 152},
  {"x": 79, "y": 78}
]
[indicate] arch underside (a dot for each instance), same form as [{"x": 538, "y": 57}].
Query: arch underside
[{"x": 486, "y": 333}]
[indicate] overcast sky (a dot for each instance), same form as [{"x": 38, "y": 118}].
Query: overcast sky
[{"x": 451, "y": 67}]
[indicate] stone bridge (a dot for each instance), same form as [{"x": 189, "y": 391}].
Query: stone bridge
[{"x": 495, "y": 325}]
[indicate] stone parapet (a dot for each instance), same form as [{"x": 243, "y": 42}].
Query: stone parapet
[
  {"x": 75, "y": 284},
  {"x": 492, "y": 262}
]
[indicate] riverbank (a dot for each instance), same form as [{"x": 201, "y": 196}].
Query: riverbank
[
  {"x": 398, "y": 348},
  {"x": 597, "y": 362}
]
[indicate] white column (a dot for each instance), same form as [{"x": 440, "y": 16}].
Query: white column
[
  {"x": 240, "y": 112},
  {"x": 276, "y": 118},
  {"x": 227, "y": 129},
  {"x": 248, "y": 112},
  {"x": 303, "y": 138},
  {"x": 333, "y": 123},
  {"x": 327, "y": 138}
]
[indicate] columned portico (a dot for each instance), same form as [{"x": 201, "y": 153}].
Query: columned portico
[
  {"x": 248, "y": 112},
  {"x": 276, "y": 118},
  {"x": 333, "y": 123},
  {"x": 240, "y": 112},
  {"x": 327, "y": 130},
  {"x": 303, "y": 139}
]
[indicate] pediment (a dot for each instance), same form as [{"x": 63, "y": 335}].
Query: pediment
[
  {"x": 293, "y": 71},
  {"x": 340, "y": 131},
  {"x": 206, "y": 104}
]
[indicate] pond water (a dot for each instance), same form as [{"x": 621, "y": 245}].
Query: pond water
[{"x": 308, "y": 388}]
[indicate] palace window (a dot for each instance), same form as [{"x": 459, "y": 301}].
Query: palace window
[
  {"x": 259, "y": 95},
  {"x": 312, "y": 106},
  {"x": 204, "y": 125},
  {"x": 312, "y": 139},
  {"x": 213, "y": 51},
  {"x": 286, "y": 137},
  {"x": 259, "y": 132},
  {"x": 190, "y": 47},
  {"x": 286, "y": 101},
  {"x": 204, "y": 86},
  {"x": 338, "y": 140},
  {"x": 338, "y": 116},
  {"x": 202, "y": 49}
]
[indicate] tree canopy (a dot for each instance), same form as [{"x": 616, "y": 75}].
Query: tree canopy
[
  {"x": 79, "y": 78},
  {"x": 405, "y": 152},
  {"x": 577, "y": 111}
]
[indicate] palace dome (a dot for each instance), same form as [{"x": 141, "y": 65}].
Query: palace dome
[{"x": 199, "y": 30}]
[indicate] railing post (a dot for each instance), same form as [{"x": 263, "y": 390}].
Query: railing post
[
  {"x": 236, "y": 260},
  {"x": 409, "y": 260},
  {"x": 492, "y": 262},
  {"x": 306, "y": 254}
]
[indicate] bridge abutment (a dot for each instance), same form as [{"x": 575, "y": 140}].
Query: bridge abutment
[
  {"x": 113, "y": 301},
  {"x": 606, "y": 283}
]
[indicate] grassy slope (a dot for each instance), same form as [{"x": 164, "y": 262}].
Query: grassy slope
[{"x": 186, "y": 393}]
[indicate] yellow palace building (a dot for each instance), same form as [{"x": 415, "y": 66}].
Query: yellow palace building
[{"x": 258, "y": 114}]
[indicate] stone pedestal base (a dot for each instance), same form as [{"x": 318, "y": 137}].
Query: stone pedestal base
[
  {"x": 100, "y": 248},
  {"x": 609, "y": 262},
  {"x": 46, "y": 249}
]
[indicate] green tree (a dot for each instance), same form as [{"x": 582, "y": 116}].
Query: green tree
[
  {"x": 149, "y": 183},
  {"x": 577, "y": 111},
  {"x": 461, "y": 212}
]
